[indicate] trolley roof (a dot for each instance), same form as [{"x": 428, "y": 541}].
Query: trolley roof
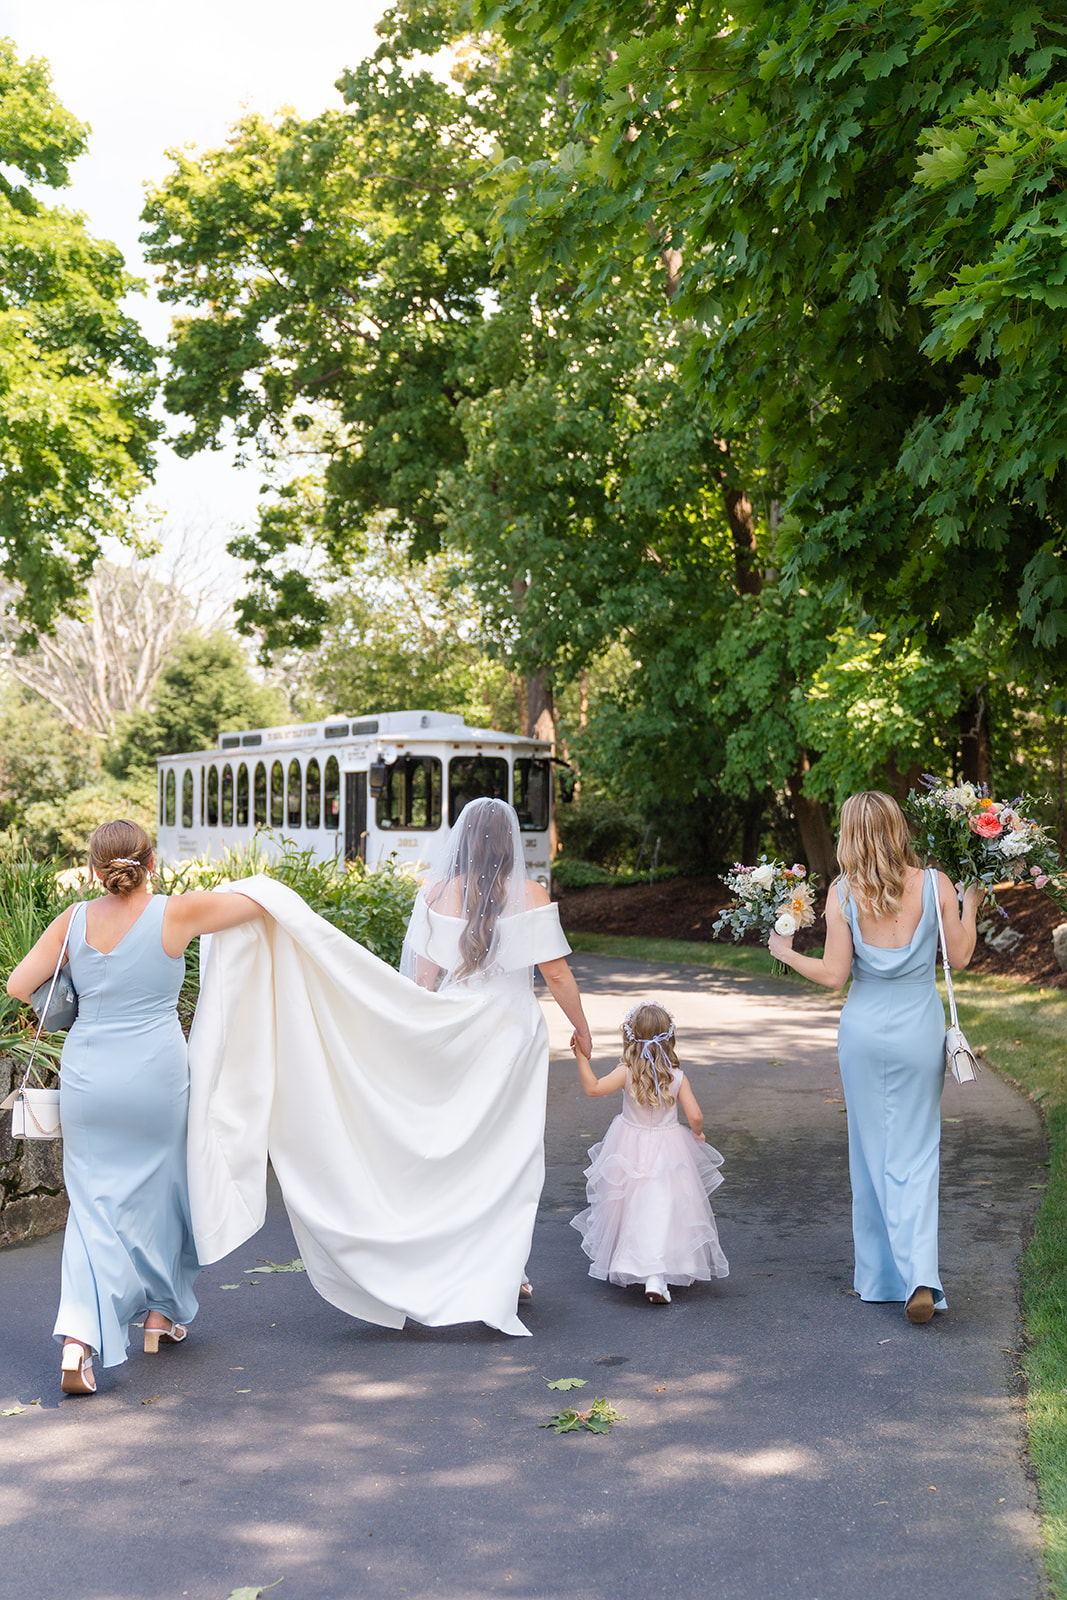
[{"x": 386, "y": 726}]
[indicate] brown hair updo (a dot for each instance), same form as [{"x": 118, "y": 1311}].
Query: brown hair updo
[{"x": 119, "y": 853}]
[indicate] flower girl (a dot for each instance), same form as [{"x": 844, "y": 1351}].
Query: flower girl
[{"x": 649, "y": 1220}]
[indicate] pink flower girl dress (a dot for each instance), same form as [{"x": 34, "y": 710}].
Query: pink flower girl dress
[{"x": 648, "y": 1185}]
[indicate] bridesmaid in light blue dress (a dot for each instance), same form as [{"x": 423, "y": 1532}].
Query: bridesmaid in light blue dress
[
  {"x": 881, "y": 926},
  {"x": 128, "y": 1251}
]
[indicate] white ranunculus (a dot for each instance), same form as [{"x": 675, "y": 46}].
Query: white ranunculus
[
  {"x": 786, "y": 924},
  {"x": 763, "y": 876},
  {"x": 965, "y": 795}
]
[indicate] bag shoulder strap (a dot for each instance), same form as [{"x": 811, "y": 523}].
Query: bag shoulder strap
[
  {"x": 51, "y": 989},
  {"x": 944, "y": 952}
]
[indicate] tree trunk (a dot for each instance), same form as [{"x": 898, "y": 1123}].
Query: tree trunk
[
  {"x": 743, "y": 528},
  {"x": 976, "y": 756},
  {"x": 815, "y": 836},
  {"x": 752, "y": 824},
  {"x": 540, "y": 709}
]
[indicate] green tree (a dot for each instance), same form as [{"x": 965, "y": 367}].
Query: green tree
[
  {"x": 61, "y": 824},
  {"x": 858, "y": 207},
  {"x": 406, "y": 634},
  {"x": 76, "y": 374},
  {"x": 341, "y": 296},
  {"x": 40, "y": 755},
  {"x": 205, "y": 688}
]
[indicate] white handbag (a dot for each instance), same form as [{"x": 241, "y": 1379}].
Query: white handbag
[
  {"x": 960, "y": 1059},
  {"x": 35, "y": 1113}
]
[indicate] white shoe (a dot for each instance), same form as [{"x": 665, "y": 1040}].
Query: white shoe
[{"x": 656, "y": 1291}]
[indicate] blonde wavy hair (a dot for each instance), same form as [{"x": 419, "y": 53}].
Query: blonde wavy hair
[
  {"x": 644, "y": 1023},
  {"x": 875, "y": 853}
]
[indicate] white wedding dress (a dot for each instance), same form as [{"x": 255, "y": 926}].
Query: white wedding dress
[{"x": 406, "y": 1128}]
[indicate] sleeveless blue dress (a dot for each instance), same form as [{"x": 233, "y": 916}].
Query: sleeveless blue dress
[
  {"x": 124, "y": 1099},
  {"x": 891, "y": 1048}
]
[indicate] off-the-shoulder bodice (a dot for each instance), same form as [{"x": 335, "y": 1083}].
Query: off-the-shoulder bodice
[{"x": 520, "y": 942}]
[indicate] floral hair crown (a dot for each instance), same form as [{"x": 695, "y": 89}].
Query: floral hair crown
[{"x": 659, "y": 1038}]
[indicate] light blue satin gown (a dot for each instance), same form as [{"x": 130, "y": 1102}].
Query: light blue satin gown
[
  {"x": 891, "y": 1047},
  {"x": 124, "y": 1100}
]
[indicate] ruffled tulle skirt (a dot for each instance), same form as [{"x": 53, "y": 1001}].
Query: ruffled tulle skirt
[{"x": 648, "y": 1209}]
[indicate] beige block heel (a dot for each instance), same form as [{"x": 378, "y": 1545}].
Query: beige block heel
[
  {"x": 76, "y": 1370},
  {"x": 154, "y": 1337}
]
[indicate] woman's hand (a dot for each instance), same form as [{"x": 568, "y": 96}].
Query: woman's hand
[
  {"x": 582, "y": 1039},
  {"x": 780, "y": 946},
  {"x": 973, "y": 896}
]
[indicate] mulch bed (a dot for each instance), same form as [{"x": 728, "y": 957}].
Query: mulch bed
[{"x": 685, "y": 908}]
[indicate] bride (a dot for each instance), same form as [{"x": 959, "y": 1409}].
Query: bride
[{"x": 404, "y": 1120}]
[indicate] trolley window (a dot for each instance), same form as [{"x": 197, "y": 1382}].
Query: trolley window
[
  {"x": 188, "y": 796},
  {"x": 277, "y": 795},
  {"x": 533, "y": 787},
  {"x": 227, "y": 796},
  {"x": 212, "y": 796},
  {"x": 312, "y": 795},
  {"x": 171, "y": 806},
  {"x": 411, "y": 796},
  {"x": 294, "y": 806},
  {"x": 259, "y": 795},
  {"x": 475, "y": 778},
  {"x": 331, "y": 796},
  {"x": 242, "y": 796},
  {"x": 161, "y": 799}
]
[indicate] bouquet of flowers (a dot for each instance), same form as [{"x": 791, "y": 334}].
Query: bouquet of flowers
[
  {"x": 979, "y": 840},
  {"x": 769, "y": 895}
]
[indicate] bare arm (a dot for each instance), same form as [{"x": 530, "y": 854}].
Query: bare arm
[
  {"x": 427, "y": 972},
  {"x": 38, "y": 965},
  {"x": 204, "y": 911},
  {"x": 564, "y": 991},
  {"x": 693, "y": 1114},
  {"x": 961, "y": 935},
  {"x": 832, "y": 968},
  {"x": 596, "y": 1087}
]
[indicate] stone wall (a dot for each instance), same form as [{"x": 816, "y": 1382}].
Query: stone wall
[{"x": 32, "y": 1198}]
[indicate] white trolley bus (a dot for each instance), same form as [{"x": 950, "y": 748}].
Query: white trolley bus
[{"x": 362, "y": 788}]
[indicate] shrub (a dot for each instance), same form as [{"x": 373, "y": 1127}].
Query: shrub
[
  {"x": 571, "y": 874},
  {"x": 62, "y": 825},
  {"x": 600, "y": 830}
]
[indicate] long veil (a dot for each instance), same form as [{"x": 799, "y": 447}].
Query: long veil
[{"x": 467, "y": 928}]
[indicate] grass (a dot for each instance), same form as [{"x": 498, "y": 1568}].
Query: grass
[
  {"x": 749, "y": 959},
  {"x": 1023, "y": 1029}
]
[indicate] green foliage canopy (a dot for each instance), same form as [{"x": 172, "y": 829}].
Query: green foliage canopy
[
  {"x": 205, "y": 688},
  {"x": 340, "y": 285},
  {"x": 76, "y": 373},
  {"x": 865, "y": 202}
]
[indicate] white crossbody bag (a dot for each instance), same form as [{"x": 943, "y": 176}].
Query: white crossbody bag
[{"x": 960, "y": 1059}]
